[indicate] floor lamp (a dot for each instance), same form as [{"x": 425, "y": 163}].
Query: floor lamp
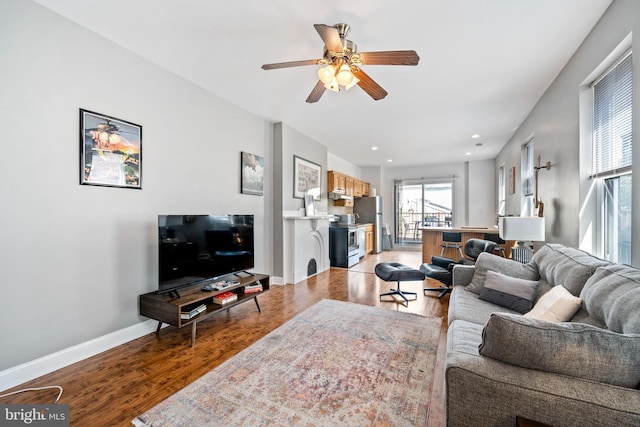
[{"x": 522, "y": 229}]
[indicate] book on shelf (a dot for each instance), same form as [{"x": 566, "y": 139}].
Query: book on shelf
[
  {"x": 225, "y": 298},
  {"x": 189, "y": 311},
  {"x": 250, "y": 289}
]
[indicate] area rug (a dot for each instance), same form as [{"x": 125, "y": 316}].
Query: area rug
[{"x": 335, "y": 364}]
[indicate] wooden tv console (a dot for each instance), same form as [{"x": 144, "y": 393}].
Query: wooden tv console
[{"x": 166, "y": 307}]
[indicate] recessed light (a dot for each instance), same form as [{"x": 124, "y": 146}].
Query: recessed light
[
  {"x": 475, "y": 136},
  {"x": 374, "y": 148},
  {"x": 389, "y": 161},
  {"x": 468, "y": 153}
]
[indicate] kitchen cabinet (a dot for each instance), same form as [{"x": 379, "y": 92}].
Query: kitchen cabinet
[
  {"x": 348, "y": 203},
  {"x": 349, "y": 186},
  {"x": 368, "y": 231},
  {"x": 336, "y": 182},
  {"x": 357, "y": 188}
]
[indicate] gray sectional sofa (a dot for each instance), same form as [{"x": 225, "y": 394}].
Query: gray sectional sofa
[{"x": 582, "y": 372}]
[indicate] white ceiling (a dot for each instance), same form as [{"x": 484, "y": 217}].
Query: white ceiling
[{"x": 483, "y": 64}]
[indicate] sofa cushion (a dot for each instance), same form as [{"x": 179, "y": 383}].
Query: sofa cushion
[
  {"x": 487, "y": 261},
  {"x": 465, "y": 305},
  {"x": 557, "y": 305},
  {"x": 510, "y": 292},
  {"x": 568, "y": 267},
  {"x": 612, "y": 296},
  {"x": 573, "y": 349}
]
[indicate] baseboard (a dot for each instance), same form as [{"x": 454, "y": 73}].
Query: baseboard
[
  {"x": 274, "y": 280},
  {"x": 36, "y": 368}
]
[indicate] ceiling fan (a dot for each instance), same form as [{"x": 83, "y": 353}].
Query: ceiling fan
[{"x": 343, "y": 62}]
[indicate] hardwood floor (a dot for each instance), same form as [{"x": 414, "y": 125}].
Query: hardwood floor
[{"x": 111, "y": 388}]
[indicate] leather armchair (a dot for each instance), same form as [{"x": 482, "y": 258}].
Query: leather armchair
[{"x": 441, "y": 268}]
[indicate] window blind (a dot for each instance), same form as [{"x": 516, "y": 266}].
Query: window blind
[{"x": 612, "y": 113}]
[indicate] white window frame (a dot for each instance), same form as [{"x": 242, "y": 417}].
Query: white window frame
[
  {"x": 607, "y": 247},
  {"x": 502, "y": 190}
]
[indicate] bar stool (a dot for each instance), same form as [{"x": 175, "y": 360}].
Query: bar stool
[
  {"x": 451, "y": 240},
  {"x": 499, "y": 243}
]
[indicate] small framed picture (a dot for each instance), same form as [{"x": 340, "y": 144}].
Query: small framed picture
[
  {"x": 110, "y": 151},
  {"x": 252, "y": 179},
  {"x": 306, "y": 178}
]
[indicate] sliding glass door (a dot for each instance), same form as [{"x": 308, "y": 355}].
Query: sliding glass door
[{"x": 420, "y": 204}]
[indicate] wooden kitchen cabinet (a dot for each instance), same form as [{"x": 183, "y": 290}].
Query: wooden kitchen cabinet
[
  {"x": 366, "y": 189},
  {"x": 336, "y": 182},
  {"x": 349, "y": 186},
  {"x": 368, "y": 232},
  {"x": 357, "y": 188}
]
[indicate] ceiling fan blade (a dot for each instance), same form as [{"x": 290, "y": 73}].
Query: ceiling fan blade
[
  {"x": 391, "y": 57},
  {"x": 289, "y": 64},
  {"x": 368, "y": 85},
  {"x": 330, "y": 37},
  {"x": 316, "y": 93}
]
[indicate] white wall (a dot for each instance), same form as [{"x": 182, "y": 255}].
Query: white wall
[
  {"x": 287, "y": 143},
  {"x": 75, "y": 258},
  {"x": 555, "y": 123},
  {"x": 335, "y": 163},
  {"x": 481, "y": 197}
]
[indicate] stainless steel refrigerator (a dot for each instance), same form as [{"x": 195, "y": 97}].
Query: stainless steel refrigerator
[{"x": 369, "y": 210}]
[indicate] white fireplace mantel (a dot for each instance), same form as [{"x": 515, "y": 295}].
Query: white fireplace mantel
[{"x": 305, "y": 238}]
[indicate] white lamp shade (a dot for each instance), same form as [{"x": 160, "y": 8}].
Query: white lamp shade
[{"x": 521, "y": 228}]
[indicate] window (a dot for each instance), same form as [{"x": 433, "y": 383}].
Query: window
[
  {"x": 502, "y": 190},
  {"x": 528, "y": 171},
  {"x": 527, "y": 168},
  {"x": 611, "y": 154},
  {"x": 422, "y": 204},
  {"x": 617, "y": 219}
]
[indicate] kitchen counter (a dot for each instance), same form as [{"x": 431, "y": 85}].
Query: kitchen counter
[{"x": 432, "y": 239}]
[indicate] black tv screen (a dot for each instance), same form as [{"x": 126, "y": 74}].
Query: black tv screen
[{"x": 201, "y": 248}]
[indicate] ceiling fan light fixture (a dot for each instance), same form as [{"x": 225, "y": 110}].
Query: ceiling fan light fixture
[
  {"x": 327, "y": 74},
  {"x": 332, "y": 85},
  {"x": 344, "y": 75},
  {"x": 354, "y": 82}
]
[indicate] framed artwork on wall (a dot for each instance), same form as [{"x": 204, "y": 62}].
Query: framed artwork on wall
[
  {"x": 110, "y": 151},
  {"x": 252, "y": 175},
  {"x": 306, "y": 178}
]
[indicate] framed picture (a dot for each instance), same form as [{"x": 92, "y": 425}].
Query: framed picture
[
  {"x": 110, "y": 151},
  {"x": 512, "y": 180},
  {"x": 252, "y": 179},
  {"x": 306, "y": 178}
]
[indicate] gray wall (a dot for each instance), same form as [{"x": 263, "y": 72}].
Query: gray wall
[
  {"x": 75, "y": 258},
  {"x": 555, "y": 124},
  {"x": 288, "y": 142}
]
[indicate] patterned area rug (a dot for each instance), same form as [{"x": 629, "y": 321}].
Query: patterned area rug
[{"x": 337, "y": 363}]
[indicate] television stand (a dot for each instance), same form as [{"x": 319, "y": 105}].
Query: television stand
[
  {"x": 243, "y": 271},
  {"x": 166, "y": 307}
]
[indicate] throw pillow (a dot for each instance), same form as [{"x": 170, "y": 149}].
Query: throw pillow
[
  {"x": 510, "y": 292},
  {"x": 574, "y": 349},
  {"x": 557, "y": 305},
  {"x": 487, "y": 261}
]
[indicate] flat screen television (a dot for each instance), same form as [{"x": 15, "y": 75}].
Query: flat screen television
[{"x": 202, "y": 248}]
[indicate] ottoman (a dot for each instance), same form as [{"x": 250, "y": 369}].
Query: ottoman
[{"x": 396, "y": 272}]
